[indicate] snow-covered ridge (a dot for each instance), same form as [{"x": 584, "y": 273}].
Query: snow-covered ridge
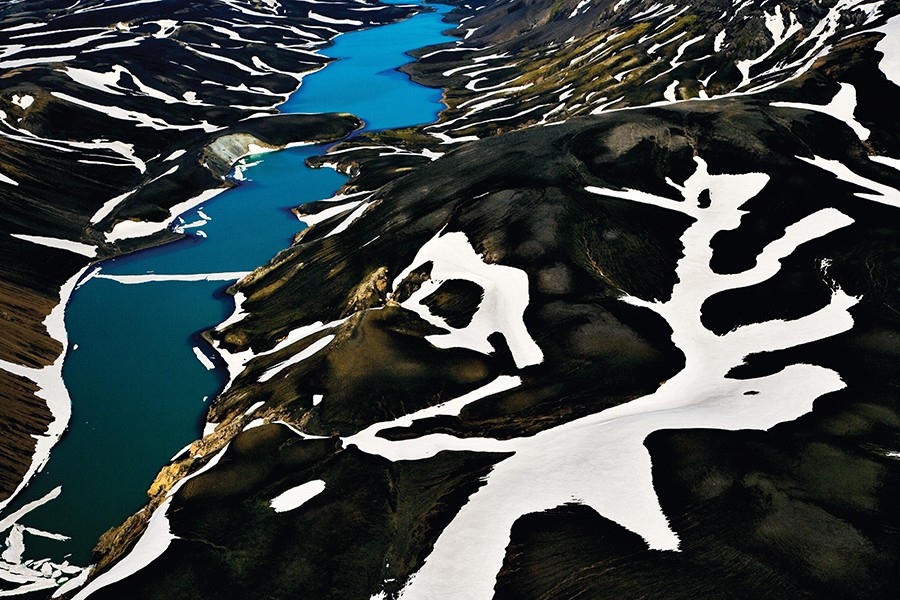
[{"x": 643, "y": 55}]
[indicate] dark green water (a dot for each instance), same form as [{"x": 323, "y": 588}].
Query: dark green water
[{"x": 138, "y": 392}]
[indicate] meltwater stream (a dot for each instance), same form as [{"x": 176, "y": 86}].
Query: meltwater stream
[{"x": 138, "y": 388}]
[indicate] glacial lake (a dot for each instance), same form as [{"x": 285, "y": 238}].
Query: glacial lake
[{"x": 139, "y": 393}]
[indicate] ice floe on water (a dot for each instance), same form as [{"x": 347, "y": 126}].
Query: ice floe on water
[
  {"x": 31, "y": 575},
  {"x": 204, "y": 360},
  {"x": 132, "y": 229},
  {"x": 156, "y": 277}
]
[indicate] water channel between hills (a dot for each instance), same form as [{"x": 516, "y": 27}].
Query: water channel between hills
[{"x": 138, "y": 390}]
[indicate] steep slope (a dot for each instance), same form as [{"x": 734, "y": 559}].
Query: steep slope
[{"x": 647, "y": 351}]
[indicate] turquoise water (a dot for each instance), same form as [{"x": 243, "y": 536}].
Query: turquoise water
[
  {"x": 138, "y": 392},
  {"x": 361, "y": 75}
]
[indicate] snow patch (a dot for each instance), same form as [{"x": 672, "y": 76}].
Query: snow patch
[
  {"x": 600, "y": 460},
  {"x": 59, "y": 243},
  {"x": 841, "y": 107},
  {"x": 890, "y": 47},
  {"x": 23, "y": 101},
  {"x": 502, "y": 309},
  {"x": 131, "y": 229},
  {"x": 884, "y": 194},
  {"x": 297, "y": 358},
  {"x": 150, "y": 546},
  {"x": 296, "y": 497}
]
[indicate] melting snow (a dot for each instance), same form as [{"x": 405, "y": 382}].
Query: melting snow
[
  {"x": 501, "y": 310},
  {"x": 296, "y": 497},
  {"x": 669, "y": 93},
  {"x": 62, "y": 244},
  {"x": 841, "y": 107},
  {"x": 132, "y": 229},
  {"x": 719, "y": 42},
  {"x": 297, "y": 358},
  {"x": 884, "y": 194},
  {"x": 23, "y": 101},
  {"x": 890, "y": 47},
  {"x": 150, "y": 546},
  {"x": 323, "y": 19}
]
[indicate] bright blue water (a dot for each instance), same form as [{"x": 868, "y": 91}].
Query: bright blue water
[
  {"x": 138, "y": 391},
  {"x": 360, "y": 75}
]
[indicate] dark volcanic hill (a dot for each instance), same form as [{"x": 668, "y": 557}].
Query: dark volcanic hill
[{"x": 623, "y": 323}]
